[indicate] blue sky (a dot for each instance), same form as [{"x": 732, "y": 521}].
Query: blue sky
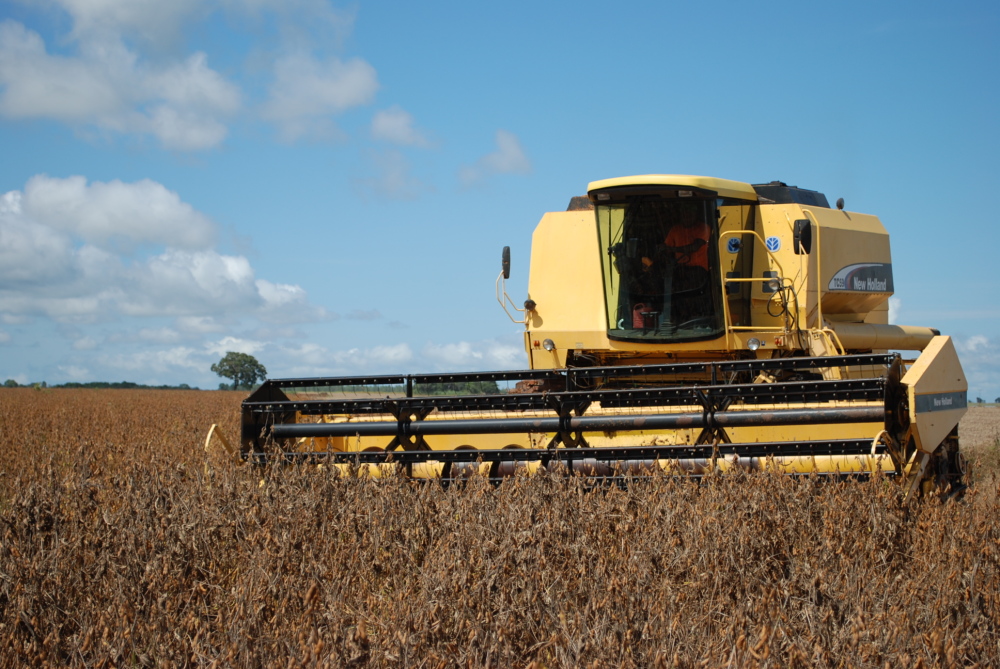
[{"x": 328, "y": 187}]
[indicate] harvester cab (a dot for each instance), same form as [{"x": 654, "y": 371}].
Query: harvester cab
[{"x": 673, "y": 323}]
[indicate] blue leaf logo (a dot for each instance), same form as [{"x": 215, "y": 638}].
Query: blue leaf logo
[{"x": 773, "y": 244}]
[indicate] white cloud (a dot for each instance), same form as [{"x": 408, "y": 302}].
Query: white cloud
[
  {"x": 30, "y": 253},
  {"x": 280, "y": 294},
  {"x": 393, "y": 179},
  {"x": 306, "y": 359},
  {"x": 199, "y": 325},
  {"x": 300, "y": 21},
  {"x": 159, "y": 335},
  {"x": 75, "y": 372},
  {"x": 184, "y": 283},
  {"x": 287, "y": 303},
  {"x": 36, "y": 84},
  {"x": 144, "y": 212},
  {"x": 377, "y": 357},
  {"x": 980, "y": 356},
  {"x": 226, "y": 344},
  {"x": 84, "y": 344},
  {"x": 474, "y": 356},
  {"x": 4, "y": 337},
  {"x": 160, "y": 361},
  {"x": 306, "y": 92},
  {"x": 152, "y": 20},
  {"x": 895, "y": 309},
  {"x": 395, "y": 125},
  {"x": 976, "y": 345},
  {"x": 509, "y": 158},
  {"x": 159, "y": 23},
  {"x": 106, "y": 85},
  {"x": 116, "y": 71},
  {"x": 51, "y": 264}
]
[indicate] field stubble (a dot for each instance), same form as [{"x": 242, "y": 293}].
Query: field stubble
[{"x": 123, "y": 544}]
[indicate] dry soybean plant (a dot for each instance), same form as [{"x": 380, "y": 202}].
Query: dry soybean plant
[{"x": 123, "y": 544}]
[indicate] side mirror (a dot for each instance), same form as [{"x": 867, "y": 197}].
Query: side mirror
[
  {"x": 505, "y": 262},
  {"x": 802, "y": 236}
]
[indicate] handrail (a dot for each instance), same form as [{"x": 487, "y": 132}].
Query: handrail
[
  {"x": 819, "y": 274},
  {"x": 506, "y": 300},
  {"x": 730, "y": 329}
]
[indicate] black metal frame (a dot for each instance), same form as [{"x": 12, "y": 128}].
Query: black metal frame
[{"x": 269, "y": 415}]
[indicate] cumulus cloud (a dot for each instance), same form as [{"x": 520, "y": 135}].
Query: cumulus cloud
[
  {"x": 115, "y": 74},
  {"x": 976, "y": 344},
  {"x": 395, "y": 125},
  {"x": 310, "y": 359},
  {"x": 474, "y": 356},
  {"x": 199, "y": 324},
  {"x": 53, "y": 260},
  {"x": 226, "y": 344},
  {"x": 306, "y": 359},
  {"x": 75, "y": 372},
  {"x": 382, "y": 358},
  {"x": 306, "y": 92},
  {"x": 158, "y": 361},
  {"x": 285, "y": 303},
  {"x": 509, "y": 158},
  {"x": 108, "y": 86},
  {"x": 154, "y": 21},
  {"x": 162, "y": 335},
  {"x": 980, "y": 356},
  {"x": 393, "y": 178},
  {"x": 30, "y": 253},
  {"x": 299, "y": 21},
  {"x": 36, "y": 84},
  {"x": 84, "y": 344},
  {"x": 182, "y": 283},
  {"x": 895, "y": 309},
  {"x": 144, "y": 212}
]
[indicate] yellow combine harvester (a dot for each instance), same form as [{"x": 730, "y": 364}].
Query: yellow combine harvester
[{"x": 677, "y": 323}]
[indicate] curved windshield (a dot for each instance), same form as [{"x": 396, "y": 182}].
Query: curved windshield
[{"x": 660, "y": 265}]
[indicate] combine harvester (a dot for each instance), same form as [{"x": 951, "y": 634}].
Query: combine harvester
[{"x": 678, "y": 323}]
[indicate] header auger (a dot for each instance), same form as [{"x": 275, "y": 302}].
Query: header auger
[{"x": 676, "y": 323}]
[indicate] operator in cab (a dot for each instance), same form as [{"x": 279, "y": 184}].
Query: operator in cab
[{"x": 687, "y": 242}]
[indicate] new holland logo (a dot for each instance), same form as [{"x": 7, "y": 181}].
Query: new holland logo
[
  {"x": 773, "y": 244},
  {"x": 864, "y": 278}
]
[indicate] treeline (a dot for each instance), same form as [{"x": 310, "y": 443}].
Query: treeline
[
  {"x": 458, "y": 388},
  {"x": 11, "y": 383},
  {"x": 425, "y": 389}
]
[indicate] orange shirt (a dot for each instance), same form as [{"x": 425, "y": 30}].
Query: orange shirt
[{"x": 680, "y": 235}]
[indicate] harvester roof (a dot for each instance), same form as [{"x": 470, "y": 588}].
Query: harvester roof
[{"x": 724, "y": 187}]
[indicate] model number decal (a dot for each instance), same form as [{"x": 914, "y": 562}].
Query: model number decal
[{"x": 872, "y": 277}]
